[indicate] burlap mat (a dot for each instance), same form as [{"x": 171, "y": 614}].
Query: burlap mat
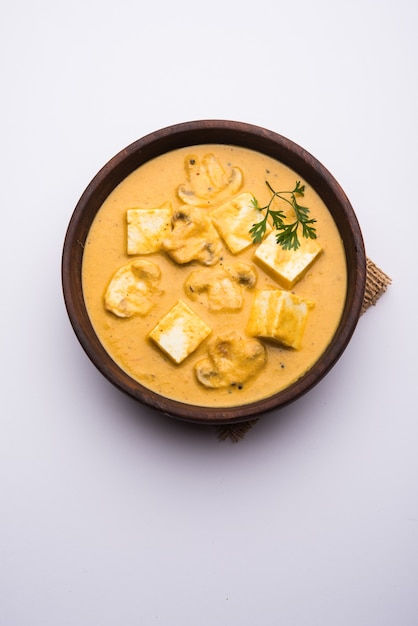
[{"x": 376, "y": 284}]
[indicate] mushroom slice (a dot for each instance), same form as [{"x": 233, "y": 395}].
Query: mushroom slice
[
  {"x": 193, "y": 238},
  {"x": 207, "y": 181},
  {"x": 244, "y": 274},
  {"x": 223, "y": 293},
  {"x": 231, "y": 361},
  {"x": 223, "y": 285},
  {"x": 132, "y": 289}
]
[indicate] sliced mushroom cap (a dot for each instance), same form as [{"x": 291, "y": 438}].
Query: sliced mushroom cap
[
  {"x": 223, "y": 293},
  {"x": 244, "y": 274},
  {"x": 208, "y": 183},
  {"x": 193, "y": 238},
  {"x": 132, "y": 289},
  {"x": 231, "y": 361}
]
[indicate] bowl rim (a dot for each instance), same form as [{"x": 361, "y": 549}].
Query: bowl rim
[{"x": 193, "y": 133}]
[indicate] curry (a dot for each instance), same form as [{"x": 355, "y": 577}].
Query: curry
[{"x": 184, "y": 301}]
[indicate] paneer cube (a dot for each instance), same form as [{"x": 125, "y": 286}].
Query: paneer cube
[
  {"x": 234, "y": 219},
  {"x": 180, "y": 332},
  {"x": 279, "y": 315},
  {"x": 287, "y": 266},
  {"x": 147, "y": 228}
]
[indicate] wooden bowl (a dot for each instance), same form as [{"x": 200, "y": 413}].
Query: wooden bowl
[{"x": 207, "y": 132}]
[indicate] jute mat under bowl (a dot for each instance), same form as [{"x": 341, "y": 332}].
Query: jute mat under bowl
[{"x": 376, "y": 284}]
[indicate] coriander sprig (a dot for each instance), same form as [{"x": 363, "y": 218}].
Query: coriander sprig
[{"x": 287, "y": 235}]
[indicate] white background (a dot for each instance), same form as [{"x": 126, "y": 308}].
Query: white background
[{"x": 111, "y": 514}]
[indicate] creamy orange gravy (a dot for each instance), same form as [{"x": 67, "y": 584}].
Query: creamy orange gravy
[{"x": 155, "y": 183}]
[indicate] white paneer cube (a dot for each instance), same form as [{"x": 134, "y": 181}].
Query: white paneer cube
[
  {"x": 279, "y": 315},
  {"x": 234, "y": 219},
  {"x": 287, "y": 266},
  {"x": 147, "y": 228},
  {"x": 180, "y": 332}
]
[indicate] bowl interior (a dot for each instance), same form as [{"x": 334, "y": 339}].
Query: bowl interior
[{"x": 212, "y": 132}]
